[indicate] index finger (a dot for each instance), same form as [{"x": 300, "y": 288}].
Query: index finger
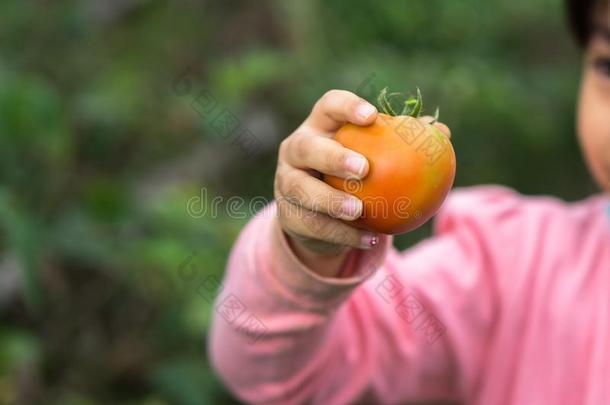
[{"x": 337, "y": 107}]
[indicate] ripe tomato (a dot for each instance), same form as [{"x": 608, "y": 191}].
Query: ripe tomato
[{"x": 411, "y": 170}]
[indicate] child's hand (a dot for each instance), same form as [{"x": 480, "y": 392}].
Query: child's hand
[{"x": 309, "y": 209}]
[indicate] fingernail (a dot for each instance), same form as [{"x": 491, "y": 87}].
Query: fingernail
[
  {"x": 351, "y": 207},
  {"x": 365, "y": 110},
  {"x": 369, "y": 240},
  {"x": 355, "y": 164}
]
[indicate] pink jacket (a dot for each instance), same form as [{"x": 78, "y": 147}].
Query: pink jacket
[{"x": 508, "y": 303}]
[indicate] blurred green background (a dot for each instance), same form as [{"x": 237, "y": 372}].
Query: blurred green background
[{"x": 107, "y": 132}]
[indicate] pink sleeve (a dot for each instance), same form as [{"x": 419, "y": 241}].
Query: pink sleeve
[{"x": 414, "y": 329}]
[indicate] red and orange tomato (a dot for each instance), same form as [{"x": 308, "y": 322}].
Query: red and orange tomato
[{"x": 411, "y": 170}]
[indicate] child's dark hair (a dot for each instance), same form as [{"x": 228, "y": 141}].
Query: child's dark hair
[{"x": 580, "y": 16}]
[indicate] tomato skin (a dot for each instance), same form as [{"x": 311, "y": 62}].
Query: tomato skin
[{"x": 411, "y": 170}]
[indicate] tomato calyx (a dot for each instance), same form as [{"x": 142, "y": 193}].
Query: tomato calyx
[{"x": 413, "y": 105}]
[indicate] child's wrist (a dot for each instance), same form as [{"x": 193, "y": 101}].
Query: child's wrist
[{"x": 320, "y": 257}]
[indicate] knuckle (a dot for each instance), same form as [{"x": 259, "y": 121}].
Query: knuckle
[
  {"x": 279, "y": 180},
  {"x": 345, "y": 235},
  {"x": 330, "y": 94},
  {"x": 322, "y": 103},
  {"x": 301, "y": 148},
  {"x": 335, "y": 203},
  {"x": 336, "y": 160},
  {"x": 283, "y": 146},
  {"x": 295, "y": 192},
  {"x": 319, "y": 201},
  {"x": 281, "y": 207},
  {"x": 353, "y": 101},
  {"x": 339, "y": 233},
  {"x": 288, "y": 212},
  {"x": 331, "y": 97},
  {"x": 316, "y": 224}
]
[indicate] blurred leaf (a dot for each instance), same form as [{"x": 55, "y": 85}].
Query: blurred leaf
[
  {"x": 17, "y": 348},
  {"x": 26, "y": 238},
  {"x": 188, "y": 382}
]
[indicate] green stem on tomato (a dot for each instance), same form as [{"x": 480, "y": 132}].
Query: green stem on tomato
[
  {"x": 384, "y": 102},
  {"x": 413, "y": 106}
]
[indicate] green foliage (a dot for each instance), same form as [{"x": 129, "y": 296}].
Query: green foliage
[{"x": 100, "y": 154}]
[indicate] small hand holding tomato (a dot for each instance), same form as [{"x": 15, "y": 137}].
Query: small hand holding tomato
[{"x": 343, "y": 158}]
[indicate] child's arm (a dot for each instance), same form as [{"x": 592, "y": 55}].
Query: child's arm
[{"x": 417, "y": 329}]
